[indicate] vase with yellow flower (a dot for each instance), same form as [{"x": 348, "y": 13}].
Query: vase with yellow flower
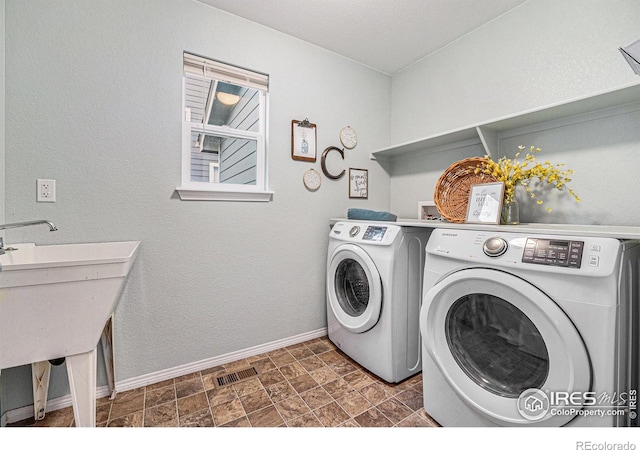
[{"x": 515, "y": 172}]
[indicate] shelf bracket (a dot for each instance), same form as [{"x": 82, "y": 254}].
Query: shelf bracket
[{"x": 489, "y": 140}]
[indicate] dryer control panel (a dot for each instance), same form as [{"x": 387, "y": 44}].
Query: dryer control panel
[
  {"x": 553, "y": 252},
  {"x": 579, "y": 255}
]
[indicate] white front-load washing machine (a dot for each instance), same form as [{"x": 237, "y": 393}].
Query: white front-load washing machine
[
  {"x": 374, "y": 280},
  {"x": 529, "y": 330}
]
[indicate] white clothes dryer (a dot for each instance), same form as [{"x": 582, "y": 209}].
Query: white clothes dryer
[
  {"x": 374, "y": 281},
  {"x": 529, "y": 330}
]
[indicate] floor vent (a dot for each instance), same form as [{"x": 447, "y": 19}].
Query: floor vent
[{"x": 235, "y": 377}]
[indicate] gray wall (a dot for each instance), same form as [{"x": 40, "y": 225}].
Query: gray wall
[
  {"x": 541, "y": 53},
  {"x": 2, "y": 102},
  {"x": 93, "y": 100},
  {"x": 2, "y": 21},
  {"x": 93, "y": 95}
]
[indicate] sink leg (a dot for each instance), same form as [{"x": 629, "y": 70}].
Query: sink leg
[
  {"x": 81, "y": 370},
  {"x": 40, "y": 373},
  {"x": 107, "y": 352}
]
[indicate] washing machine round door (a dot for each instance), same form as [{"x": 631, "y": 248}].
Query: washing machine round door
[
  {"x": 506, "y": 348},
  {"x": 354, "y": 288}
]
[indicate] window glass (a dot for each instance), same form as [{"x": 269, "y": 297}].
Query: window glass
[
  {"x": 235, "y": 158},
  {"x": 212, "y": 102}
]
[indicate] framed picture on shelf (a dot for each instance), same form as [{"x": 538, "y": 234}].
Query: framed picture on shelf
[
  {"x": 358, "y": 183},
  {"x": 303, "y": 140},
  {"x": 485, "y": 203}
]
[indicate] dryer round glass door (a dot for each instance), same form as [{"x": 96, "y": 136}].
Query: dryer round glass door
[
  {"x": 354, "y": 288},
  {"x": 498, "y": 340}
]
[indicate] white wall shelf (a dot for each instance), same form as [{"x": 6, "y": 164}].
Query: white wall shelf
[
  {"x": 489, "y": 133},
  {"x": 603, "y": 231}
]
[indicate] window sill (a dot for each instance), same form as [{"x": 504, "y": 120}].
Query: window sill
[{"x": 188, "y": 193}]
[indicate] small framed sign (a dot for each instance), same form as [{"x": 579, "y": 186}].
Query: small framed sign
[
  {"x": 485, "y": 203},
  {"x": 358, "y": 183}
]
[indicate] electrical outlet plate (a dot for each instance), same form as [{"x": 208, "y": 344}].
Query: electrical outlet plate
[
  {"x": 46, "y": 191},
  {"x": 427, "y": 210}
]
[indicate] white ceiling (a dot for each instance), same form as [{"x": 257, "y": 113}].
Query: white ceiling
[{"x": 387, "y": 35}]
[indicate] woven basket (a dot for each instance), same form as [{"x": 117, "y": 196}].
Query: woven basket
[{"x": 452, "y": 188}]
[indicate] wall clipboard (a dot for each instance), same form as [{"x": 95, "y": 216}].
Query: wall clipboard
[{"x": 303, "y": 140}]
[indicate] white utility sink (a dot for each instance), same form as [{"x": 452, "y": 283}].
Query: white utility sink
[{"x": 54, "y": 302}]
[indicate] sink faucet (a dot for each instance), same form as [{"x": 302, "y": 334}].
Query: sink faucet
[
  {"x": 6, "y": 226},
  {"x": 52, "y": 227}
]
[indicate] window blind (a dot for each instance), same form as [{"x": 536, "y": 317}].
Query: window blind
[{"x": 210, "y": 68}]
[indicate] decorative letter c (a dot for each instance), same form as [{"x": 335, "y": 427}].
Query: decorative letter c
[{"x": 323, "y": 165}]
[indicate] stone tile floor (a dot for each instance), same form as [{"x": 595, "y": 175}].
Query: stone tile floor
[{"x": 311, "y": 384}]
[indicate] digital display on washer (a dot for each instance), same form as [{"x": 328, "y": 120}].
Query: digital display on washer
[
  {"x": 553, "y": 252},
  {"x": 374, "y": 233}
]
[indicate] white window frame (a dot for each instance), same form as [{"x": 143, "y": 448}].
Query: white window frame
[
  {"x": 196, "y": 190},
  {"x": 214, "y": 172}
]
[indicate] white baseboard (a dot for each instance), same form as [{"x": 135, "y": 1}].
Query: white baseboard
[
  {"x": 26, "y": 412},
  {"x": 145, "y": 380}
]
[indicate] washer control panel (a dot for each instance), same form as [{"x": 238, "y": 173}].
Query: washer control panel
[
  {"x": 553, "y": 252},
  {"x": 365, "y": 233},
  {"x": 374, "y": 233}
]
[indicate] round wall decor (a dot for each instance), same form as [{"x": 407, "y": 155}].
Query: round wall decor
[
  {"x": 348, "y": 137},
  {"x": 312, "y": 179}
]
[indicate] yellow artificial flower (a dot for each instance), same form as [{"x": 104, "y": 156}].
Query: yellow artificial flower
[{"x": 513, "y": 173}]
